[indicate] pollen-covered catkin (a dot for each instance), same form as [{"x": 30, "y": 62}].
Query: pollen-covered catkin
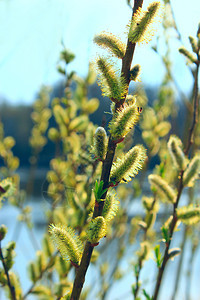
[
  {"x": 67, "y": 242},
  {"x": 126, "y": 167},
  {"x": 187, "y": 54},
  {"x": 124, "y": 120},
  {"x": 143, "y": 22},
  {"x": 113, "y": 86},
  {"x": 189, "y": 214},
  {"x": 112, "y": 43}
]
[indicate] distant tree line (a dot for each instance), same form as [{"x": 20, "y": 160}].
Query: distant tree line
[{"x": 17, "y": 122}]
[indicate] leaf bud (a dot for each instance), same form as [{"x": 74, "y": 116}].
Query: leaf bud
[
  {"x": 3, "y": 231},
  {"x": 134, "y": 72},
  {"x": 173, "y": 252}
]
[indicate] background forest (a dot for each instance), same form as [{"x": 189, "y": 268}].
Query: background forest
[{"x": 140, "y": 221}]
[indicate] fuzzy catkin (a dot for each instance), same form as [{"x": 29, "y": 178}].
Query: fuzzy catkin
[
  {"x": 110, "y": 207},
  {"x": 96, "y": 229},
  {"x": 66, "y": 242},
  {"x": 112, "y": 85},
  {"x": 142, "y": 23},
  {"x": 126, "y": 167},
  {"x": 112, "y": 43},
  {"x": 192, "y": 171},
  {"x": 124, "y": 120},
  {"x": 176, "y": 152},
  {"x": 100, "y": 143},
  {"x": 163, "y": 187}
]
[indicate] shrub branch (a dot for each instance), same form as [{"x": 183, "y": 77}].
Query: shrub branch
[
  {"x": 181, "y": 186},
  {"x": 107, "y": 164}
]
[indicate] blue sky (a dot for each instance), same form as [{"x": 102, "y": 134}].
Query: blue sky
[{"x": 31, "y": 35}]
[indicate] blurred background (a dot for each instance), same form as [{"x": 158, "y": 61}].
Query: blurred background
[{"x": 33, "y": 33}]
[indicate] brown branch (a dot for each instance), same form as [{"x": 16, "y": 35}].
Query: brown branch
[
  {"x": 195, "y": 109},
  {"x": 107, "y": 164},
  {"x": 168, "y": 243},
  {"x": 10, "y": 286},
  {"x": 180, "y": 188}
]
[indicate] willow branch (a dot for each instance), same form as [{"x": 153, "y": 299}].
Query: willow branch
[
  {"x": 195, "y": 109},
  {"x": 10, "y": 286},
  {"x": 180, "y": 188},
  {"x": 106, "y": 168},
  {"x": 173, "y": 225}
]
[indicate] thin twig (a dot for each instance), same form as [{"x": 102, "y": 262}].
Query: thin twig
[
  {"x": 195, "y": 109},
  {"x": 173, "y": 225},
  {"x": 10, "y": 286},
  {"x": 180, "y": 188}
]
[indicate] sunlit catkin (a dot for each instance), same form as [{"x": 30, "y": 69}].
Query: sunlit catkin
[
  {"x": 142, "y": 23},
  {"x": 113, "y": 86},
  {"x": 111, "y": 42},
  {"x": 123, "y": 121},
  {"x": 128, "y": 165},
  {"x": 67, "y": 242},
  {"x": 187, "y": 54},
  {"x": 110, "y": 207}
]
